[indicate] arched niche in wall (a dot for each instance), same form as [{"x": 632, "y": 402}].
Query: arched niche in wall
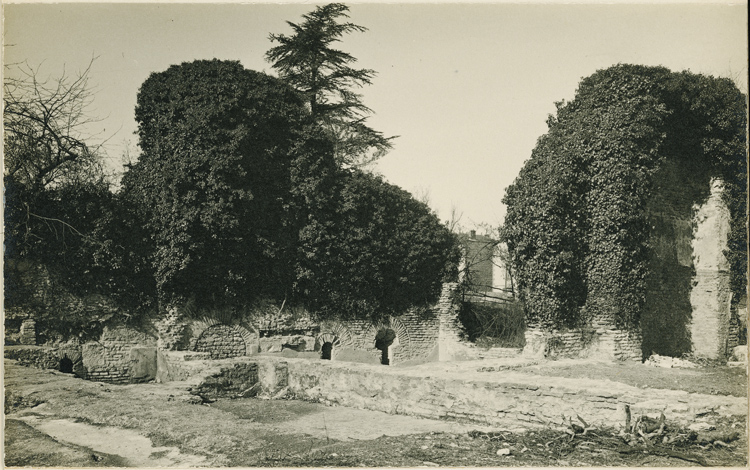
[
  {"x": 331, "y": 339},
  {"x": 389, "y": 337},
  {"x": 221, "y": 339}
]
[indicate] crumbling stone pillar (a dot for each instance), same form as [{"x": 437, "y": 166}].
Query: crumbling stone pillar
[
  {"x": 710, "y": 296},
  {"x": 172, "y": 329},
  {"x": 450, "y": 344},
  {"x": 28, "y": 332}
]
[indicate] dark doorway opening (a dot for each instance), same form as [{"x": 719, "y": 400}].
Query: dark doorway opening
[
  {"x": 66, "y": 365},
  {"x": 325, "y": 350},
  {"x": 383, "y": 340}
]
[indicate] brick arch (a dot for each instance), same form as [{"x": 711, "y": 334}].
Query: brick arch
[
  {"x": 74, "y": 354},
  {"x": 336, "y": 334},
  {"x": 199, "y": 327},
  {"x": 402, "y": 334},
  {"x": 403, "y": 340}
]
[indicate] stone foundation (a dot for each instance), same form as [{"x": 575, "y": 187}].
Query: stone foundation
[
  {"x": 609, "y": 344},
  {"x": 508, "y": 400},
  {"x": 121, "y": 356},
  {"x": 419, "y": 335}
]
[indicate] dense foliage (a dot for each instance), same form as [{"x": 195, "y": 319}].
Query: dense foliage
[
  {"x": 244, "y": 201},
  {"x": 578, "y": 221},
  {"x": 65, "y": 232},
  {"x": 213, "y": 180},
  {"x": 380, "y": 253},
  {"x": 494, "y": 324},
  {"x": 325, "y": 77},
  {"x": 86, "y": 264}
]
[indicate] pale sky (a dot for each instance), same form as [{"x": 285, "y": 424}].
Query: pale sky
[{"x": 467, "y": 87}]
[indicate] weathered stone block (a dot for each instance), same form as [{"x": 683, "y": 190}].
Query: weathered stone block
[
  {"x": 270, "y": 345},
  {"x": 143, "y": 364}
]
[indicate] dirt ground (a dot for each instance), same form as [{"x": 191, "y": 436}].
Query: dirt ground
[{"x": 54, "y": 419}]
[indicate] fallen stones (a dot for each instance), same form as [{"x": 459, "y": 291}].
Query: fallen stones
[{"x": 669, "y": 362}]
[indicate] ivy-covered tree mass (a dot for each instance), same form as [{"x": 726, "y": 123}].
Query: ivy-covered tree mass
[
  {"x": 381, "y": 252},
  {"x": 578, "y": 221},
  {"x": 213, "y": 180},
  {"x": 241, "y": 194}
]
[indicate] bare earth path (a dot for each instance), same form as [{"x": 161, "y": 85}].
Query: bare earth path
[
  {"x": 54, "y": 419},
  {"x": 52, "y": 403}
]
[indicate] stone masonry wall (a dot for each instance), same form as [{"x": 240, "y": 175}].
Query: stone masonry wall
[
  {"x": 239, "y": 380},
  {"x": 28, "y": 332},
  {"x": 115, "y": 357},
  {"x": 416, "y": 338},
  {"x": 452, "y": 345},
  {"x": 221, "y": 341},
  {"x": 507, "y": 400},
  {"x": 34, "y": 356},
  {"x": 421, "y": 335},
  {"x": 122, "y": 355},
  {"x": 738, "y": 325},
  {"x": 710, "y": 296},
  {"x": 688, "y": 294},
  {"x": 609, "y": 344}
]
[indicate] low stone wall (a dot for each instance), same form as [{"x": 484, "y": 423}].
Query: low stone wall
[
  {"x": 34, "y": 356},
  {"x": 121, "y": 356},
  {"x": 607, "y": 344},
  {"x": 240, "y": 380},
  {"x": 508, "y": 399},
  {"x": 515, "y": 399}
]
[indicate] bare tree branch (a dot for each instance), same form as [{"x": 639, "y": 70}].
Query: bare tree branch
[{"x": 45, "y": 124}]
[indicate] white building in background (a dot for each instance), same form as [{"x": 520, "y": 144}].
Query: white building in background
[{"x": 484, "y": 268}]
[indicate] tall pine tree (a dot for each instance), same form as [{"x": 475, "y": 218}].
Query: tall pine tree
[{"x": 307, "y": 61}]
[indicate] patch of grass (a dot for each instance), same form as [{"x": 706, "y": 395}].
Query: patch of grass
[{"x": 15, "y": 402}]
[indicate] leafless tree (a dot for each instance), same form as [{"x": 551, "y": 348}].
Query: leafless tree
[
  {"x": 45, "y": 120},
  {"x": 454, "y": 223}
]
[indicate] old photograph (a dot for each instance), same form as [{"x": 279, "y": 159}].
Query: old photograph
[{"x": 363, "y": 234}]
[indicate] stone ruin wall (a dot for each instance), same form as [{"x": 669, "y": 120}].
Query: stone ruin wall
[
  {"x": 610, "y": 344},
  {"x": 421, "y": 336},
  {"x": 711, "y": 293},
  {"x": 126, "y": 355},
  {"x": 738, "y": 323},
  {"x": 688, "y": 296},
  {"x": 122, "y": 355}
]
